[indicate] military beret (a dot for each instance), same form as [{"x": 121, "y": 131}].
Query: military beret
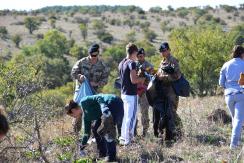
[
  {"x": 93, "y": 48},
  {"x": 141, "y": 51},
  {"x": 164, "y": 46}
]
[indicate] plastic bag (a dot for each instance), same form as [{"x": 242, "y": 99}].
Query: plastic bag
[{"x": 84, "y": 90}]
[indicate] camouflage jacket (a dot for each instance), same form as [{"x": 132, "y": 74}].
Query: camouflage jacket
[
  {"x": 94, "y": 72},
  {"x": 173, "y": 62}
]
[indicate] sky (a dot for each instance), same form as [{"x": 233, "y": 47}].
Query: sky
[{"x": 145, "y": 4}]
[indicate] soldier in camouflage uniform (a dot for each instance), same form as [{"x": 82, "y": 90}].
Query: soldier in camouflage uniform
[
  {"x": 94, "y": 70},
  {"x": 167, "y": 78},
  {"x": 145, "y": 66}
]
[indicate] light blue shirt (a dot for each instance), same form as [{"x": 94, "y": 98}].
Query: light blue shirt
[{"x": 230, "y": 74}]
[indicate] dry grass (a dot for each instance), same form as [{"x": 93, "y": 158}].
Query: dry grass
[{"x": 203, "y": 141}]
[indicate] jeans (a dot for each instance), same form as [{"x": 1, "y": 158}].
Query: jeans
[{"x": 235, "y": 104}]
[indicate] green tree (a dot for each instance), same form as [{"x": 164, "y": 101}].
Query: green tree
[
  {"x": 16, "y": 39},
  {"x": 98, "y": 24},
  {"x": 53, "y": 45},
  {"x": 77, "y": 51},
  {"x": 31, "y": 24},
  {"x": 83, "y": 30},
  {"x": 49, "y": 52},
  {"x": 155, "y": 9},
  {"x": 3, "y": 32},
  {"x": 149, "y": 35},
  {"x": 105, "y": 36},
  {"x": 201, "y": 51}
]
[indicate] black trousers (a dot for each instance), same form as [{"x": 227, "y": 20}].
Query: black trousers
[
  {"x": 104, "y": 148},
  {"x": 163, "y": 117}
]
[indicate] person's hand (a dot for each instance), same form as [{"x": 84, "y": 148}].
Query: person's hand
[
  {"x": 81, "y": 78},
  {"x": 94, "y": 84}
]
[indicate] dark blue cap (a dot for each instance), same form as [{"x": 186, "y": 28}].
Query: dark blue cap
[
  {"x": 141, "y": 51},
  {"x": 164, "y": 46},
  {"x": 93, "y": 48}
]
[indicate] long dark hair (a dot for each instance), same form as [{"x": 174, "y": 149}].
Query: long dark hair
[{"x": 237, "y": 51}]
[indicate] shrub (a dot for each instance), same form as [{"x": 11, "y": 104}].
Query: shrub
[
  {"x": 3, "y": 32},
  {"x": 149, "y": 35},
  {"x": 155, "y": 9},
  {"x": 105, "y": 37},
  {"x": 16, "y": 39}
]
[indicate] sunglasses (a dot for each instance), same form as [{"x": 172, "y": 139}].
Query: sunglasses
[{"x": 94, "y": 55}]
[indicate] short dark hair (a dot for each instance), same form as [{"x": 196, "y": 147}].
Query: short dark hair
[
  {"x": 71, "y": 105},
  {"x": 131, "y": 48},
  {"x": 237, "y": 51}
]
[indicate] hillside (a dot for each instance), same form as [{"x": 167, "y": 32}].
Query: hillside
[{"x": 160, "y": 22}]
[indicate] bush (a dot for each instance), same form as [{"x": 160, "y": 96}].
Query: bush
[
  {"x": 182, "y": 12},
  {"x": 105, "y": 36},
  {"x": 16, "y": 39},
  {"x": 199, "y": 55},
  {"x": 149, "y": 35},
  {"x": 3, "y": 32},
  {"x": 98, "y": 24},
  {"x": 155, "y": 10},
  {"x": 228, "y": 8}
]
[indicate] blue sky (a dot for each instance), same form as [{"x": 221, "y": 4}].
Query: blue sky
[{"x": 145, "y": 4}]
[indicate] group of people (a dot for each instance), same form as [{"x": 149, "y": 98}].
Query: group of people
[
  {"x": 103, "y": 113},
  {"x": 109, "y": 117}
]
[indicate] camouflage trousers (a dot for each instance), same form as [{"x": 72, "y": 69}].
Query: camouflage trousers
[
  {"x": 174, "y": 100},
  {"x": 144, "y": 106}
]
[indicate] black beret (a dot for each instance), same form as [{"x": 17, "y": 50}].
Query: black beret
[{"x": 93, "y": 48}]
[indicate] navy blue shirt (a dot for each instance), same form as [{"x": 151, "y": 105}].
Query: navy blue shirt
[{"x": 127, "y": 87}]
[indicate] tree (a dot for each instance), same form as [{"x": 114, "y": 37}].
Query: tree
[
  {"x": 49, "y": 52},
  {"x": 201, "y": 51},
  {"x": 77, "y": 51},
  {"x": 155, "y": 9},
  {"x": 105, "y": 36},
  {"x": 3, "y": 32},
  {"x": 31, "y": 24},
  {"x": 53, "y": 45},
  {"x": 149, "y": 35},
  {"x": 83, "y": 30},
  {"x": 98, "y": 24},
  {"x": 16, "y": 39}
]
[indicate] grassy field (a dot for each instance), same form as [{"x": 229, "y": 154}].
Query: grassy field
[{"x": 203, "y": 140}]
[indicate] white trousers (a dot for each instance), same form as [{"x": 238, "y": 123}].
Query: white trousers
[{"x": 129, "y": 120}]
